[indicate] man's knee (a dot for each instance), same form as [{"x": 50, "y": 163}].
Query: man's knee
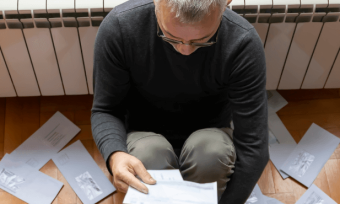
[
  {"x": 153, "y": 150},
  {"x": 210, "y": 148}
]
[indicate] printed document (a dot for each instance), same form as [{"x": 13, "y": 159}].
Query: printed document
[
  {"x": 166, "y": 175},
  {"x": 174, "y": 192}
]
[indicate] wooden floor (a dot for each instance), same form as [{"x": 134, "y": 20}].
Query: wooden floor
[{"x": 21, "y": 117}]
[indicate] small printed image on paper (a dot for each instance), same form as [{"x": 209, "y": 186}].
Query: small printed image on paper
[
  {"x": 252, "y": 198},
  {"x": 88, "y": 185},
  {"x": 10, "y": 181},
  {"x": 314, "y": 199},
  {"x": 302, "y": 163}
]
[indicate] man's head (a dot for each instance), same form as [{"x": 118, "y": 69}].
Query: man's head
[{"x": 189, "y": 21}]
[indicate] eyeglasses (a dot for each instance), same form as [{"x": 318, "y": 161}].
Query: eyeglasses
[{"x": 207, "y": 44}]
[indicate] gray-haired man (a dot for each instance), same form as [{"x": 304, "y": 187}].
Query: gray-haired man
[{"x": 168, "y": 69}]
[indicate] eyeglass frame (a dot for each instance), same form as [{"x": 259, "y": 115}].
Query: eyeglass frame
[{"x": 207, "y": 44}]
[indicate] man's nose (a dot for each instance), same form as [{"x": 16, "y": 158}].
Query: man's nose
[{"x": 186, "y": 49}]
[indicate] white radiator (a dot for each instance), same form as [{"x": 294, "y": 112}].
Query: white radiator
[{"x": 46, "y": 46}]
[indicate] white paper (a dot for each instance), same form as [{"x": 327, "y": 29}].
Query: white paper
[
  {"x": 256, "y": 196},
  {"x": 275, "y": 101},
  {"x": 280, "y": 151},
  {"x": 83, "y": 174},
  {"x": 50, "y": 138},
  {"x": 174, "y": 192},
  {"x": 27, "y": 183},
  {"x": 314, "y": 195},
  {"x": 272, "y": 200},
  {"x": 166, "y": 175},
  {"x": 310, "y": 155}
]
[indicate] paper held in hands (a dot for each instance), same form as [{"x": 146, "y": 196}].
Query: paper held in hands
[{"x": 170, "y": 188}]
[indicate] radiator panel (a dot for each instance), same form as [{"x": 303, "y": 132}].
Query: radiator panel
[
  {"x": 6, "y": 86},
  {"x": 334, "y": 77},
  {"x": 262, "y": 30},
  {"x": 87, "y": 38},
  {"x": 18, "y": 61},
  {"x": 66, "y": 43},
  {"x": 323, "y": 57},
  {"x": 279, "y": 36},
  {"x": 43, "y": 57},
  {"x": 300, "y": 53}
]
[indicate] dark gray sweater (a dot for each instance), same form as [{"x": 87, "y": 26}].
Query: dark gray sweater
[{"x": 141, "y": 83}]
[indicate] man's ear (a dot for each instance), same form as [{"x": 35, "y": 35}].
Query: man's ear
[{"x": 229, "y": 1}]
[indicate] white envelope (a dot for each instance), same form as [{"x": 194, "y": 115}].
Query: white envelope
[
  {"x": 50, "y": 138},
  {"x": 286, "y": 144},
  {"x": 27, "y": 183},
  {"x": 275, "y": 101},
  {"x": 256, "y": 196},
  {"x": 181, "y": 192},
  {"x": 310, "y": 155},
  {"x": 83, "y": 174},
  {"x": 314, "y": 195}
]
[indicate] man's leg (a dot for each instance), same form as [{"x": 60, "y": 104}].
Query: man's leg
[
  {"x": 152, "y": 149},
  {"x": 208, "y": 155}
]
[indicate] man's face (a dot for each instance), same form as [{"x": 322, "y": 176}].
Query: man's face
[{"x": 199, "y": 32}]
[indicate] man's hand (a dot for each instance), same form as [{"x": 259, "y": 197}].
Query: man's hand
[{"x": 125, "y": 168}]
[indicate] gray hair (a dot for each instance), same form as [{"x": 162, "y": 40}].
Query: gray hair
[{"x": 193, "y": 11}]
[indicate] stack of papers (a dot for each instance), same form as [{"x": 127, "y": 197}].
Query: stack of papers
[
  {"x": 20, "y": 175},
  {"x": 302, "y": 161},
  {"x": 170, "y": 188}
]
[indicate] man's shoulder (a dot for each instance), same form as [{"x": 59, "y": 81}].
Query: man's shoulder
[
  {"x": 237, "y": 20},
  {"x": 131, "y": 5}
]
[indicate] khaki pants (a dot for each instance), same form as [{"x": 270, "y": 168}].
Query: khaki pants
[{"x": 208, "y": 155}]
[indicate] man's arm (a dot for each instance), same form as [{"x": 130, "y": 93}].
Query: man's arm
[
  {"x": 110, "y": 84},
  {"x": 247, "y": 94}
]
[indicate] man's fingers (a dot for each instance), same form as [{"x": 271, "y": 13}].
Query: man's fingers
[
  {"x": 121, "y": 186},
  {"x": 132, "y": 181},
  {"x": 143, "y": 173}
]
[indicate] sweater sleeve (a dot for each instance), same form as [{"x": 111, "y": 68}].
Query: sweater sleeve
[
  {"x": 111, "y": 83},
  {"x": 247, "y": 95}
]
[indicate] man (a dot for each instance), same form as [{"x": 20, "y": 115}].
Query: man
[{"x": 169, "y": 69}]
